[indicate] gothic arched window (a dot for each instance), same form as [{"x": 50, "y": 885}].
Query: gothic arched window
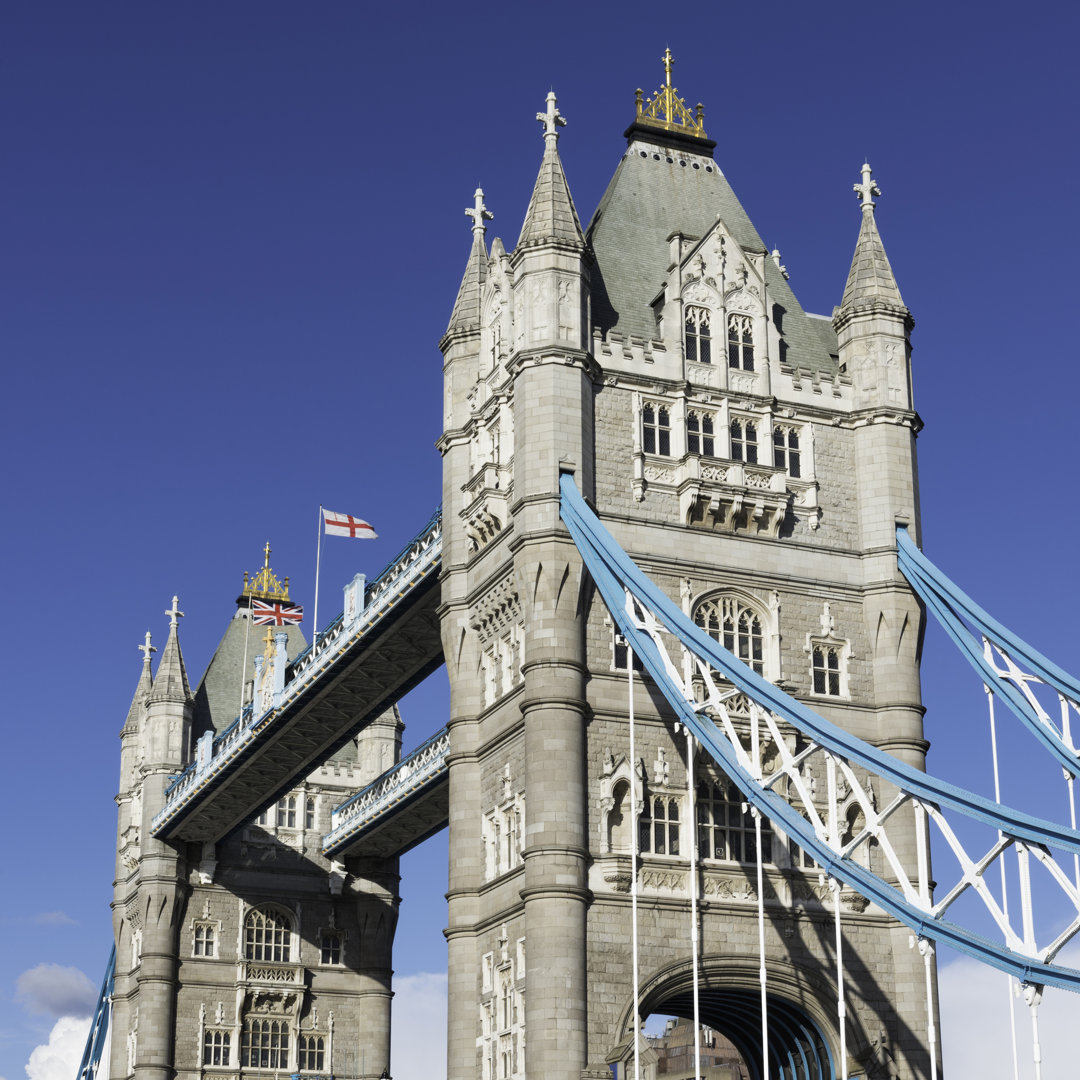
[
  {"x": 656, "y": 429},
  {"x": 698, "y": 335},
  {"x": 267, "y": 936},
  {"x": 741, "y": 342},
  {"x": 700, "y": 433},
  {"x": 744, "y": 441},
  {"x": 736, "y": 626},
  {"x": 311, "y": 1053}
]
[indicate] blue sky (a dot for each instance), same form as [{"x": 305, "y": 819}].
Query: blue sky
[{"x": 230, "y": 238}]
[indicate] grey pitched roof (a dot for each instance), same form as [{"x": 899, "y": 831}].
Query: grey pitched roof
[
  {"x": 645, "y": 202},
  {"x": 871, "y": 277},
  {"x": 217, "y": 698},
  {"x": 138, "y": 701},
  {"x": 551, "y": 216},
  {"x": 466, "y": 313}
]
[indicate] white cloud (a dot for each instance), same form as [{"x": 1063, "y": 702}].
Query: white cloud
[
  {"x": 54, "y": 990},
  {"x": 53, "y": 918},
  {"x": 418, "y": 1035},
  {"x": 59, "y": 1058},
  {"x": 975, "y": 1029}
]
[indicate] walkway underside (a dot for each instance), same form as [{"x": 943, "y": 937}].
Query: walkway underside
[{"x": 290, "y": 742}]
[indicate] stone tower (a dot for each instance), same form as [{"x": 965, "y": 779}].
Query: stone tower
[
  {"x": 255, "y": 954},
  {"x": 754, "y": 459}
]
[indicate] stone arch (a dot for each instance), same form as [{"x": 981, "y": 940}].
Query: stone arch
[
  {"x": 711, "y": 611},
  {"x": 803, "y": 1036},
  {"x": 269, "y": 935}
]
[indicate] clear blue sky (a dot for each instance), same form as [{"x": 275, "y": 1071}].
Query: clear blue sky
[{"x": 230, "y": 239}]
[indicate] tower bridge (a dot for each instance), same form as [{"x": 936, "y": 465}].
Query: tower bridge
[{"x": 691, "y": 781}]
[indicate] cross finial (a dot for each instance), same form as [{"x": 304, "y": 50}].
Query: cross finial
[
  {"x": 146, "y": 648},
  {"x": 268, "y": 640},
  {"x": 669, "y": 63},
  {"x": 174, "y": 612},
  {"x": 266, "y": 554},
  {"x": 552, "y": 119},
  {"x": 867, "y": 189},
  {"x": 479, "y": 212}
]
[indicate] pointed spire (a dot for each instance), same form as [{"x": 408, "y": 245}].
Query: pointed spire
[
  {"x": 142, "y": 690},
  {"x": 171, "y": 682},
  {"x": 466, "y": 313},
  {"x": 551, "y": 217},
  {"x": 871, "y": 277}
]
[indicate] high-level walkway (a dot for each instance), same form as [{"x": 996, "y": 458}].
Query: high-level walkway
[{"x": 360, "y": 666}]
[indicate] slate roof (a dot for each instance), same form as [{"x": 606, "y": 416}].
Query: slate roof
[
  {"x": 645, "y": 202},
  {"x": 466, "y": 313},
  {"x": 871, "y": 277},
  {"x": 551, "y": 215}
]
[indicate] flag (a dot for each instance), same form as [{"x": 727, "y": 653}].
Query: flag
[
  {"x": 275, "y": 614},
  {"x": 347, "y": 525}
]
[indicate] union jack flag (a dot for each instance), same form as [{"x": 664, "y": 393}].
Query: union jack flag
[
  {"x": 347, "y": 525},
  {"x": 275, "y": 614}
]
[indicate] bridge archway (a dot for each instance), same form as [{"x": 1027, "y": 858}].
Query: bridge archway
[{"x": 803, "y": 1039}]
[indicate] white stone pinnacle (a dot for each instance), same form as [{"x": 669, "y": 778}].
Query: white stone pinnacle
[
  {"x": 867, "y": 189},
  {"x": 479, "y": 212},
  {"x": 146, "y": 648},
  {"x": 552, "y": 119},
  {"x": 174, "y": 612}
]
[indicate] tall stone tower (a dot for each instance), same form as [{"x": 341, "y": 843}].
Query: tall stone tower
[
  {"x": 754, "y": 459},
  {"x": 255, "y": 955}
]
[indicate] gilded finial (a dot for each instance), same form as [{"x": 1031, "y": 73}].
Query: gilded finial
[
  {"x": 867, "y": 189},
  {"x": 268, "y": 641},
  {"x": 265, "y": 584},
  {"x": 665, "y": 109}
]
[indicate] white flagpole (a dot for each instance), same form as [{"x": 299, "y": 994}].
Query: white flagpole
[{"x": 318, "y": 557}]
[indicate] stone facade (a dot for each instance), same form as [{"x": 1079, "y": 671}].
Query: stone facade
[
  {"x": 754, "y": 460},
  {"x": 255, "y": 954}
]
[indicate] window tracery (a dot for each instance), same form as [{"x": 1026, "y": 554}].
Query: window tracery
[
  {"x": 658, "y": 825},
  {"x": 725, "y": 826},
  {"x": 744, "y": 441},
  {"x": 656, "y": 429},
  {"x": 217, "y": 1047},
  {"x": 787, "y": 453},
  {"x": 736, "y": 626},
  {"x": 265, "y": 1044},
  {"x": 701, "y": 433},
  {"x": 740, "y": 342},
  {"x": 698, "y": 336},
  {"x": 267, "y": 936}
]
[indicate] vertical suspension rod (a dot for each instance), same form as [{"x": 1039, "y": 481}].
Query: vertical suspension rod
[
  {"x": 633, "y": 859},
  {"x": 694, "y": 946}
]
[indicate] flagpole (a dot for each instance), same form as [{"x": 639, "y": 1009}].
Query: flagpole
[
  {"x": 318, "y": 558},
  {"x": 243, "y": 670}
]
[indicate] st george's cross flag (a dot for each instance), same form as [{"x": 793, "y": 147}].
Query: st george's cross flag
[
  {"x": 275, "y": 614},
  {"x": 347, "y": 525}
]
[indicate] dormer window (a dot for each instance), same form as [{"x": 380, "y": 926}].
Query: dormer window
[
  {"x": 656, "y": 429},
  {"x": 698, "y": 336},
  {"x": 700, "y": 433},
  {"x": 740, "y": 342},
  {"x": 744, "y": 441}
]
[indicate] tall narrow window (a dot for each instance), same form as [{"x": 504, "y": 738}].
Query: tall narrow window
[
  {"x": 265, "y": 1044},
  {"x": 786, "y": 454},
  {"x": 311, "y": 1051},
  {"x": 700, "y": 433},
  {"x": 826, "y": 665},
  {"x": 267, "y": 937},
  {"x": 736, "y": 626},
  {"x": 698, "y": 335},
  {"x": 744, "y": 441},
  {"x": 656, "y": 430},
  {"x": 309, "y": 813},
  {"x": 658, "y": 827},
  {"x": 725, "y": 829},
  {"x": 216, "y": 1047},
  {"x": 203, "y": 943},
  {"x": 741, "y": 342},
  {"x": 330, "y": 949}
]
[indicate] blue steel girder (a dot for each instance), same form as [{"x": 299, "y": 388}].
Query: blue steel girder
[
  {"x": 650, "y": 620},
  {"x": 359, "y": 670},
  {"x": 99, "y": 1026}
]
